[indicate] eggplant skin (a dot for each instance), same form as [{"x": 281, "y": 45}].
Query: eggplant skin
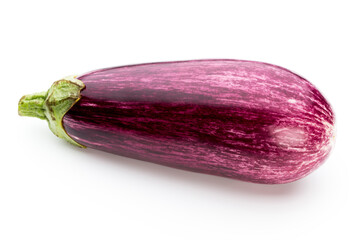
[{"x": 246, "y": 120}]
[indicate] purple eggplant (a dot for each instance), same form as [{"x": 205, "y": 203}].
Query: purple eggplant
[{"x": 246, "y": 120}]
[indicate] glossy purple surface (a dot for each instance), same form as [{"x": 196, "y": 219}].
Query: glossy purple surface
[{"x": 240, "y": 119}]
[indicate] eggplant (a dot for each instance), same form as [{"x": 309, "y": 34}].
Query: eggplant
[{"x": 246, "y": 120}]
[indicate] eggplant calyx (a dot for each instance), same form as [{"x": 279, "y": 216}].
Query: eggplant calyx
[{"x": 53, "y": 104}]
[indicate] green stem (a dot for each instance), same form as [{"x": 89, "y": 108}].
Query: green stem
[
  {"x": 53, "y": 104},
  {"x": 32, "y": 105}
]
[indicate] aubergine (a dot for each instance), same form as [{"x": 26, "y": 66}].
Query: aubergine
[{"x": 246, "y": 120}]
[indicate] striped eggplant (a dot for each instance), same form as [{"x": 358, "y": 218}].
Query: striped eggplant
[{"x": 246, "y": 120}]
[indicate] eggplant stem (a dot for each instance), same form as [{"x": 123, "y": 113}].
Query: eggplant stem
[
  {"x": 31, "y": 105},
  {"x": 53, "y": 104}
]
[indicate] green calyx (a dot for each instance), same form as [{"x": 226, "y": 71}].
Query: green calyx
[{"x": 53, "y": 105}]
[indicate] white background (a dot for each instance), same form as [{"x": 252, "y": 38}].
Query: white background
[{"x": 52, "y": 190}]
